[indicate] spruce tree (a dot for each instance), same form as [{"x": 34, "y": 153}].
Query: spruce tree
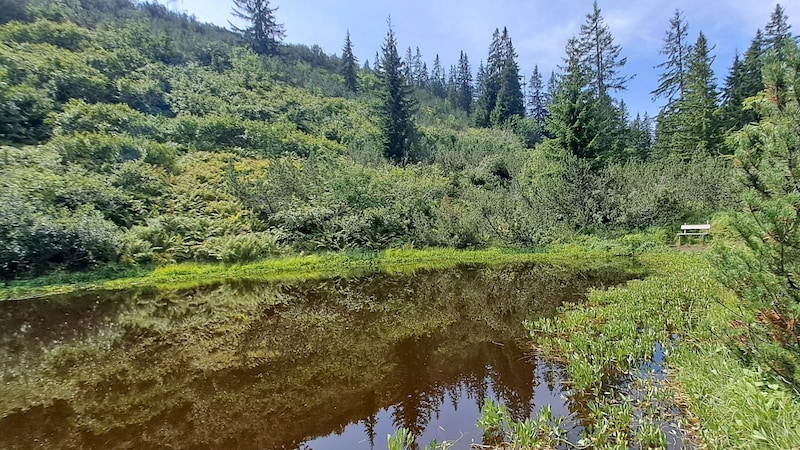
[
  {"x": 509, "y": 101},
  {"x": 699, "y": 131},
  {"x": 262, "y": 32},
  {"x": 777, "y": 31},
  {"x": 397, "y": 106},
  {"x": 500, "y": 91},
  {"x": 537, "y": 98},
  {"x": 676, "y": 49},
  {"x": 408, "y": 67},
  {"x": 349, "y": 65},
  {"x": 437, "y": 81},
  {"x": 420, "y": 69},
  {"x": 600, "y": 55},
  {"x": 463, "y": 80},
  {"x": 489, "y": 82},
  {"x": 570, "y": 123}
]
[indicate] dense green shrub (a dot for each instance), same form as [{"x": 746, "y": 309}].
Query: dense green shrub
[
  {"x": 100, "y": 152},
  {"x": 64, "y": 35},
  {"x": 81, "y": 117},
  {"x": 33, "y": 242}
]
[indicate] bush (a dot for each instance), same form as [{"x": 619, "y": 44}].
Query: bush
[
  {"x": 33, "y": 242},
  {"x": 242, "y": 247}
]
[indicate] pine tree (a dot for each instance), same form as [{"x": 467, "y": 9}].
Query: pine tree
[
  {"x": 509, "y": 101},
  {"x": 569, "y": 122},
  {"x": 437, "y": 81},
  {"x": 489, "y": 82},
  {"x": 765, "y": 274},
  {"x": 463, "y": 81},
  {"x": 500, "y": 91},
  {"x": 263, "y": 33},
  {"x": 420, "y": 69},
  {"x": 537, "y": 99},
  {"x": 777, "y": 31},
  {"x": 699, "y": 130},
  {"x": 349, "y": 65},
  {"x": 397, "y": 108},
  {"x": 676, "y": 48},
  {"x": 640, "y": 137},
  {"x": 408, "y": 67},
  {"x": 601, "y": 55}
]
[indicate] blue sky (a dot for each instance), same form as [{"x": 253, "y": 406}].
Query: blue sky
[{"x": 539, "y": 29}]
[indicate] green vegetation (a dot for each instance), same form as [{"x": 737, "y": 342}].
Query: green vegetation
[
  {"x": 142, "y": 148},
  {"x": 320, "y": 265},
  {"x": 143, "y": 138}
]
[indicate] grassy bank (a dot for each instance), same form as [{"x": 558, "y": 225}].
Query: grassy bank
[
  {"x": 700, "y": 392},
  {"x": 300, "y": 267}
]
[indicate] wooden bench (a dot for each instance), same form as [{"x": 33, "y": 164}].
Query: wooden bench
[{"x": 701, "y": 230}]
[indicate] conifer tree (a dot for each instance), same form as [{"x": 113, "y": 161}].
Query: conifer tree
[
  {"x": 349, "y": 65},
  {"x": 437, "y": 81},
  {"x": 408, "y": 67},
  {"x": 777, "y": 31},
  {"x": 489, "y": 82},
  {"x": 640, "y": 136},
  {"x": 420, "y": 69},
  {"x": 509, "y": 101},
  {"x": 569, "y": 122},
  {"x": 698, "y": 128},
  {"x": 676, "y": 49},
  {"x": 263, "y": 32},
  {"x": 537, "y": 100},
  {"x": 765, "y": 274},
  {"x": 500, "y": 93},
  {"x": 463, "y": 80},
  {"x": 397, "y": 106},
  {"x": 600, "y": 55}
]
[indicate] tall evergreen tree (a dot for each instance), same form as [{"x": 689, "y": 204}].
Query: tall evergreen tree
[
  {"x": 698, "y": 130},
  {"x": 777, "y": 31},
  {"x": 397, "y": 106},
  {"x": 537, "y": 98},
  {"x": 743, "y": 81},
  {"x": 349, "y": 64},
  {"x": 640, "y": 136},
  {"x": 676, "y": 49},
  {"x": 463, "y": 83},
  {"x": 263, "y": 32},
  {"x": 489, "y": 82},
  {"x": 408, "y": 67},
  {"x": 420, "y": 69},
  {"x": 600, "y": 55},
  {"x": 437, "y": 80},
  {"x": 500, "y": 95},
  {"x": 569, "y": 122},
  {"x": 510, "y": 101}
]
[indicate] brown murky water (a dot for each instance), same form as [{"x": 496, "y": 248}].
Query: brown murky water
[{"x": 331, "y": 364}]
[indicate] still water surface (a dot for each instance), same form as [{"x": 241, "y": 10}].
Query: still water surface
[{"x": 324, "y": 364}]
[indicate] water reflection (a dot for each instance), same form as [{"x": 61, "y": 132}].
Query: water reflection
[{"x": 337, "y": 363}]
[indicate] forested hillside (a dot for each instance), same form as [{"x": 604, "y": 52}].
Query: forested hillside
[{"x": 136, "y": 135}]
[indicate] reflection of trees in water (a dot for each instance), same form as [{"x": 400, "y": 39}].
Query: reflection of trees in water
[{"x": 234, "y": 352}]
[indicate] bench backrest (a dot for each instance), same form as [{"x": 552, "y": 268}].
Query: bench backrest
[{"x": 702, "y": 226}]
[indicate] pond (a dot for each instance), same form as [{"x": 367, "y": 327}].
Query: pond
[{"x": 320, "y": 364}]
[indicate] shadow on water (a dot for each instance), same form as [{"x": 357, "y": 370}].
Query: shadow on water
[{"x": 324, "y": 364}]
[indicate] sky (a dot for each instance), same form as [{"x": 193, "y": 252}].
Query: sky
[{"x": 539, "y": 29}]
